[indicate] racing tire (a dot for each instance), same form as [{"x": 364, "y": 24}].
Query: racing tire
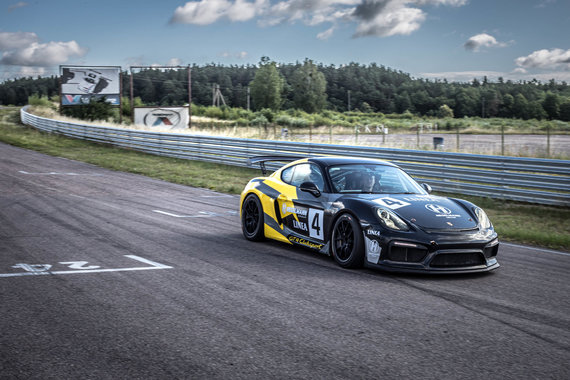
[
  {"x": 347, "y": 245},
  {"x": 252, "y": 224}
]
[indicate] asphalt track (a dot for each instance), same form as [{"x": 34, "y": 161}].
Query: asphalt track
[{"x": 107, "y": 275}]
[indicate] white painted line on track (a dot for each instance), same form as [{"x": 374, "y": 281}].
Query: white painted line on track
[
  {"x": 153, "y": 265},
  {"x": 58, "y": 173},
  {"x": 536, "y": 249},
  {"x": 149, "y": 262},
  {"x": 201, "y": 214}
]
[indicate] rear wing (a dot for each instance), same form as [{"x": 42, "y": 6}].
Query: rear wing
[{"x": 261, "y": 160}]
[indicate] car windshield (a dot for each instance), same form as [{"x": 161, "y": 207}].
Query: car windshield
[{"x": 372, "y": 179}]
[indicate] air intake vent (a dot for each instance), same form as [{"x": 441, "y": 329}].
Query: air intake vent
[{"x": 465, "y": 259}]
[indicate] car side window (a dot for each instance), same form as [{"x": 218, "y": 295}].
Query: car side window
[
  {"x": 303, "y": 173},
  {"x": 287, "y": 174}
]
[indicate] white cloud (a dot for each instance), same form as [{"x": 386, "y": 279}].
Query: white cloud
[
  {"x": 48, "y": 54},
  {"x": 380, "y": 18},
  {"x": 174, "y": 62},
  {"x": 326, "y": 34},
  {"x": 17, "y": 40},
  {"x": 238, "y": 55},
  {"x": 546, "y": 59},
  {"x": 205, "y": 12},
  {"x": 483, "y": 40},
  {"x": 544, "y": 3},
  {"x": 393, "y": 19},
  {"x": 515, "y": 75},
  {"x": 24, "y": 49},
  {"x": 19, "y": 4}
]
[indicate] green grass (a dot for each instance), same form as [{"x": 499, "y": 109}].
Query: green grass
[{"x": 543, "y": 226}]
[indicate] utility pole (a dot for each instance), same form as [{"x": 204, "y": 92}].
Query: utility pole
[
  {"x": 217, "y": 95},
  {"x": 348, "y": 100}
]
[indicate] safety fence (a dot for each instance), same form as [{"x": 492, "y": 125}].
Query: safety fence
[{"x": 532, "y": 180}]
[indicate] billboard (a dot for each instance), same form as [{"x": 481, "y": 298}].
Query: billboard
[
  {"x": 162, "y": 117},
  {"x": 81, "y": 84}
]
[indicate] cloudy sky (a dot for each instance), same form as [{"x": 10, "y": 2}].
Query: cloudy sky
[{"x": 453, "y": 39}]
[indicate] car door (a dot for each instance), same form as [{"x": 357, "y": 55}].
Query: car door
[{"x": 303, "y": 215}]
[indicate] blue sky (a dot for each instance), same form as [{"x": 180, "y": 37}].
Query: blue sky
[{"x": 453, "y": 39}]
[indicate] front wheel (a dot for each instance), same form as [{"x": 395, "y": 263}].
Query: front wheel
[
  {"x": 252, "y": 218},
  {"x": 347, "y": 242}
]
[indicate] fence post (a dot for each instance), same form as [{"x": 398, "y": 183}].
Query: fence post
[
  {"x": 548, "y": 140},
  {"x": 457, "y": 139},
  {"x": 502, "y": 140},
  {"x": 418, "y": 137}
]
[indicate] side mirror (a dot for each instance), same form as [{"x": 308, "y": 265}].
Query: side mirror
[
  {"x": 427, "y": 188},
  {"x": 310, "y": 187}
]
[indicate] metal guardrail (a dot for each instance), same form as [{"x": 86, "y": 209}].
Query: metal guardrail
[{"x": 532, "y": 180}]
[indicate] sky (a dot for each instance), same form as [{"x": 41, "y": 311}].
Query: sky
[{"x": 457, "y": 40}]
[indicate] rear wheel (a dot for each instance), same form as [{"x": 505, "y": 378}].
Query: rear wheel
[
  {"x": 252, "y": 218},
  {"x": 347, "y": 242}
]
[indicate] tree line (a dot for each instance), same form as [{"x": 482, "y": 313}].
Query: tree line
[{"x": 315, "y": 87}]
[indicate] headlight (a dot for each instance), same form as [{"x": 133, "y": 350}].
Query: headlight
[
  {"x": 482, "y": 217},
  {"x": 391, "y": 220}
]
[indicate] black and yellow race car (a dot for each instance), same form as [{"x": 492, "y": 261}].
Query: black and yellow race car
[{"x": 367, "y": 212}]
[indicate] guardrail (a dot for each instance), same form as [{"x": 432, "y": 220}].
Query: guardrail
[{"x": 532, "y": 180}]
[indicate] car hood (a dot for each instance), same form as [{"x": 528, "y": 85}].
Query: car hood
[{"x": 426, "y": 211}]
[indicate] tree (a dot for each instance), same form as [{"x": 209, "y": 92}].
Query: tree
[
  {"x": 520, "y": 108},
  {"x": 551, "y": 105},
  {"x": 309, "y": 86},
  {"x": 506, "y": 108},
  {"x": 445, "y": 111},
  {"x": 267, "y": 86},
  {"x": 564, "y": 113}
]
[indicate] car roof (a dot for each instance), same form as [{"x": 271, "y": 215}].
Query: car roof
[{"x": 333, "y": 161}]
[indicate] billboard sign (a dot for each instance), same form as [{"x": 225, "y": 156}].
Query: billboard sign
[
  {"x": 81, "y": 84},
  {"x": 162, "y": 117}
]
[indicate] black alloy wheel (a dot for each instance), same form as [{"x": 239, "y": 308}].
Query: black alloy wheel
[
  {"x": 252, "y": 218},
  {"x": 347, "y": 242}
]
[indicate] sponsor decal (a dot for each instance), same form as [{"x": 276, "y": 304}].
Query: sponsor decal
[
  {"x": 420, "y": 198},
  {"x": 71, "y": 100},
  {"x": 304, "y": 242},
  {"x": 294, "y": 210},
  {"x": 373, "y": 233},
  {"x": 441, "y": 211},
  {"x": 391, "y": 203},
  {"x": 161, "y": 117},
  {"x": 373, "y": 250},
  {"x": 300, "y": 225},
  {"x": 438, "y": 209}
]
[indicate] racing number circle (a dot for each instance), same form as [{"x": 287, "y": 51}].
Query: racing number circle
[
  {"x": 252, "y": 218},
  {"x": 346, "y": 242}
]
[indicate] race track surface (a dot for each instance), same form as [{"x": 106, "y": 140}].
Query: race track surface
[{"x": 107, "y": 275}]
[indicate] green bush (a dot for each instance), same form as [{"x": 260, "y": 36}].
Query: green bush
[
  {"x": 96, "y": 110},
  {"x": 259, "y": 120},
  {"x": 41, "y": 101}
]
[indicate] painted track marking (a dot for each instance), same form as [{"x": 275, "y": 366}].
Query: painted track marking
[{"x": 39, "y": 272}]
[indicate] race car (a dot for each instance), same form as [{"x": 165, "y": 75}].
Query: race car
[{"x": 366, "y": 212}]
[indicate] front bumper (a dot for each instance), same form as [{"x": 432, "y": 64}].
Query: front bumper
[{"x": 433, "y": 253}]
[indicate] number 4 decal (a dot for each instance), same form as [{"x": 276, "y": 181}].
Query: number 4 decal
[
  {"x": 316, "y": 224},
  {"x": 391, "y": 203}
]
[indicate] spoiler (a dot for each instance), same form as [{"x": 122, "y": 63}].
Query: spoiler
[{"x": 261, "y": 160}]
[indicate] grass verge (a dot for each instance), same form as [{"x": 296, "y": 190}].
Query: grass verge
[{"x": 543, "y": 226}]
